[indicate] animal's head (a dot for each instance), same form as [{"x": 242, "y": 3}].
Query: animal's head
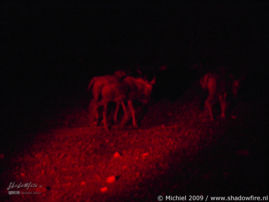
[
  {"x": 120, "y": 74},
  {"x": 237, "y": 82},
  {"x": 146, "y": 89},
  {"x": 235, "y": 87}
]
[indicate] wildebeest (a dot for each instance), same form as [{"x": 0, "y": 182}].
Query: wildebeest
[
  {"x": 112, "y": 88},
  {"x": 136, "y": 89},
  {"x": 220, "y": 87},
  {"x": 99, "y": 85}
]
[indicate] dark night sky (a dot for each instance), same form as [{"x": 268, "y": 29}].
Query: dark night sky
[
  {"x": 112, "y": 35},
  {"x": 47, "y": 48}
]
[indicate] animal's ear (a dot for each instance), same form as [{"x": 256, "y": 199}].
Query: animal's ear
[
  {"x": 231, "y": 76},
  {"x": 139, "y": 71},
  {"x": 163, "y": 68},
  {"x": 153, "y": 81},
  {"x": 243, "y": 77},
  {"x": 120, "y": 74}
]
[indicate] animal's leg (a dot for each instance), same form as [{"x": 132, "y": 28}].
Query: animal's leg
[
  {"x": 202, "y": 101},
  {"x": 130, "y": 105},
  {"x": 209, "y": 106},
  {"x": 223, "y": 105},
  {"x": 105, "y": 118},
  {"x": 212, "y": 87},
  {"x": 115, "y": 118},
  {"x": 96, "y": 113},
  {"x": 125, "y": 116}
]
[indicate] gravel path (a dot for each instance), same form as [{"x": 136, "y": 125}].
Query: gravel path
[{"x": 176, "y": 150}]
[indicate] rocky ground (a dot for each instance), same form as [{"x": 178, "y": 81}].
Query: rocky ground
[{"x": 176, "y": 150}]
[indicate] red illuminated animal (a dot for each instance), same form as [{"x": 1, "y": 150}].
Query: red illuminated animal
[
  {"x": 110, "y": 88},
  {"x": 220, "y": 87},
  {"x": 100, "y": 86},
  {"x": 136, "y": 89}
]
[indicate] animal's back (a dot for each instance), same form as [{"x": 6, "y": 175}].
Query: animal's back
[
  {"x": 99, "y": 82},
  {"x": 113, "y": 92},
  {"x": 133, "y": 87},
  {"x": 216, "y": 84},
  {"x": 138, "y": 89}
]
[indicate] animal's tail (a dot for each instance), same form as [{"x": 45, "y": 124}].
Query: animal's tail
[
  {"x": 203, "y": 81},
  {"x": 91, "y": 83}
]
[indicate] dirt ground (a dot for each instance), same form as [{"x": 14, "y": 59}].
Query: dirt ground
[{"x": 176, "y": 150}]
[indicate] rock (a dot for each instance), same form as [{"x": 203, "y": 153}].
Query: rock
[
  {"x": 111, "y": 179},
  {"x": 144, "y": 155},
  {"x": 103, "y": 189},
  {"x": 82, "y": 183},
  {"x": 116, "y": 155}
]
